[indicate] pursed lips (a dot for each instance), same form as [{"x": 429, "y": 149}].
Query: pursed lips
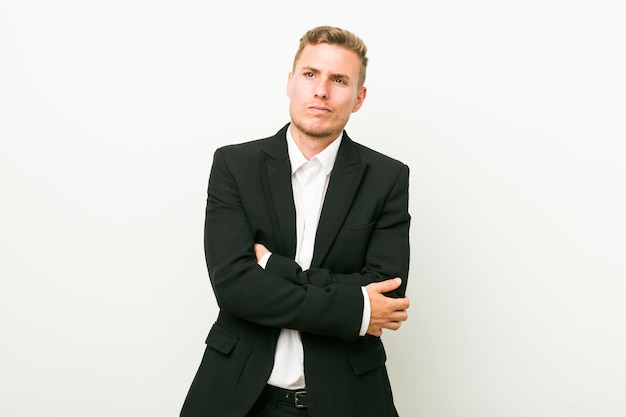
[{"x": 319, "y": 109}]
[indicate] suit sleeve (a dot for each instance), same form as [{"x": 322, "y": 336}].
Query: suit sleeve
[
  {"x": 387, "y": 254},
  {"x": 245, "y": 290}
]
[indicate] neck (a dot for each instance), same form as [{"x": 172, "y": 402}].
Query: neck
[{"x": 311, "y": 145}]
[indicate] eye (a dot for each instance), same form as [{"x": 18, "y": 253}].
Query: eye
[
  {"x": 340, "y": 81},
  {"x": 309, "y": 74}
]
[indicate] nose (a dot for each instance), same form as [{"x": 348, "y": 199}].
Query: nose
[{"x": 320, "y": 90}]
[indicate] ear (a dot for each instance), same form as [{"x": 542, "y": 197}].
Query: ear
[
  {"x": 289, "y": 86},
  {"x": 359, "y": 99}
]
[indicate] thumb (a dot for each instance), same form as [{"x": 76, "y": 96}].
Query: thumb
[{"x": 388, "y": 285}]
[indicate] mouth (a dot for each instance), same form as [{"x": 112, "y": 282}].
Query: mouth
[{"x": 319, "y": 109}]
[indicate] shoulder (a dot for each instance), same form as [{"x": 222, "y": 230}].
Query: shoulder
[
  {"x": 274, "y": 144},
  {"x": 372, "y": 155},
  {"x": 376, "y": 161},
  {"x": 250, "y": 146}
]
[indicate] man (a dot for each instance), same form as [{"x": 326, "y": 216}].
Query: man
[{"x": 307, "y": 247}]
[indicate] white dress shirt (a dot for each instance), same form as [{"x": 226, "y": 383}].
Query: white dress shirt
[{"x": 309, "y": 180}]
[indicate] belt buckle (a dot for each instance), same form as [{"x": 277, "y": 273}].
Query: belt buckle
[{"x": 299, "y": 399}]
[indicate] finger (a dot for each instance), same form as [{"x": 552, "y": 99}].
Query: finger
[
  {"x": 394, "y": 304},
  {"x": 399, "y": 316},
  {"x": 399, "y": 303},
  {"x": 387, "y": 285},
  {"x": 393, "y": 325}
]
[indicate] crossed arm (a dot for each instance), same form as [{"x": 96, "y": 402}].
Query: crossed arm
[
  {"x": 316, "y": 301},
  {"x": 385, "y": 312}
]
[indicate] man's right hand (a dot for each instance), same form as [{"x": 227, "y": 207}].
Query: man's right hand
[{"x": 386, "y": 312}]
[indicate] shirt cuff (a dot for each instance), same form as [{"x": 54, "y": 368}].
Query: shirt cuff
[
  {"x": 365, "y": 322},
  {"x": 264, "y": 259}
]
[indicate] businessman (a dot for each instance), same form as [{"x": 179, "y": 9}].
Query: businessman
[{"x": 307, "y": 248}]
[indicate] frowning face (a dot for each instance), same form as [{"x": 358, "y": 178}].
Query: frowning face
[{"x": 324, "y": 92}]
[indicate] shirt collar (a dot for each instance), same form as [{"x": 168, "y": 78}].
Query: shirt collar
[{"x": 326, "y": 158}]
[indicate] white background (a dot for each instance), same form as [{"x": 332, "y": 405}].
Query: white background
[{"x": 511, "y": 115}]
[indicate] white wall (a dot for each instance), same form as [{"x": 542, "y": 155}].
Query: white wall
[{"x": 510, "y": 115}]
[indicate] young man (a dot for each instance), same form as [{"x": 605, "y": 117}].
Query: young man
[{"x": 307, "y": 248}]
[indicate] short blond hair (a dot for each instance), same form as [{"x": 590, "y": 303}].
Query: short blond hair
[{"x": 336, "y": 36}]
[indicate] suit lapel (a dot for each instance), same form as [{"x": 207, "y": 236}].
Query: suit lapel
[
  {"x": 277, "y": 186},
  {"x": 344, "y": 183}
]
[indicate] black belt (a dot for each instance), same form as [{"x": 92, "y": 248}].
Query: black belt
[{"x": 297, "y": 398}]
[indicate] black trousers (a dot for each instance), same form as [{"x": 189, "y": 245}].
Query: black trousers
[{"x": 275, "y": 402}]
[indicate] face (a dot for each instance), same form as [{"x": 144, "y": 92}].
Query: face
[{"x": 324, "y": 91}]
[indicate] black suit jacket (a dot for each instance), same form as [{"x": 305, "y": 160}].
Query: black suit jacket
[{"x": 362, "y": 237}]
